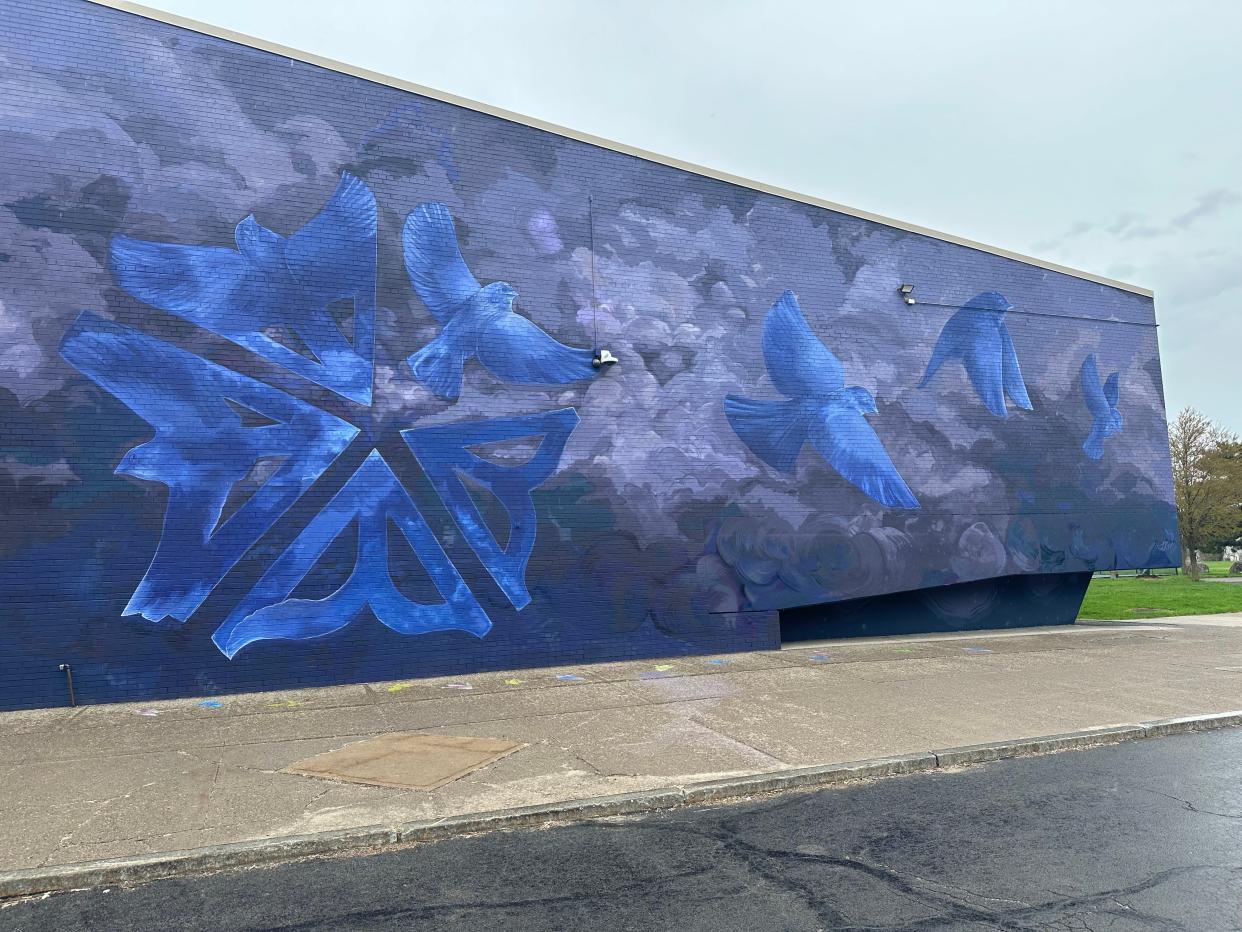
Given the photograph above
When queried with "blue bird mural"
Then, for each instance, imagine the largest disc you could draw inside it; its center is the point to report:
(479, 321)
(819, 409)
(1102, 403)
(977, 335)
(212, 426)
(275, 284)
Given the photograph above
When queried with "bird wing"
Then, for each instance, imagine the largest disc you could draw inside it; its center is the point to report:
(799, 364)
(982, 359)
(433, 260)
(1011, 373)
(1093, 446)
(851, 447)
(293, 619)
(515, 350)
(774, 430)
(1092, 394)
(170, 389)
(954, 335)
(257, 243)
(1112, 389)
(202, 283)
(334, 254)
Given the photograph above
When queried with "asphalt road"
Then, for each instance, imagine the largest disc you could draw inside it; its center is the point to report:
(1141, 836)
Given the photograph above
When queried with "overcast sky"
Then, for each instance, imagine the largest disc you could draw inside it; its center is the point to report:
(1103, 135)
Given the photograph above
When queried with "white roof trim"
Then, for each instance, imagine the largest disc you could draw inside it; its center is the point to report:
(368, 75)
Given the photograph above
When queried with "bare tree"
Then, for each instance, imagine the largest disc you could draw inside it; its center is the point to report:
(1207, 482)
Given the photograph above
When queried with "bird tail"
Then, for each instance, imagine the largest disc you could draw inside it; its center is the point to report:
(939, 355)
(438, 366)
(774, 430)
(1093, 446)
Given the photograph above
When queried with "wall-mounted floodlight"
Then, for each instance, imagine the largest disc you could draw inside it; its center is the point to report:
(603, 358)
(906, 293)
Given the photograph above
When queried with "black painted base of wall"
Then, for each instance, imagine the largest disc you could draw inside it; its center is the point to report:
(1003, 602)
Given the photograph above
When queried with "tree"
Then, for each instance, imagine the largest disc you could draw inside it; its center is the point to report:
(1230, 463)
(1207, 483)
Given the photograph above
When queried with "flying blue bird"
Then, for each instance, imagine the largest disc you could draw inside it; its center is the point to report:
(1102, 403)
(478, 321)
(273, 283)
(820, 409)
(977, 335)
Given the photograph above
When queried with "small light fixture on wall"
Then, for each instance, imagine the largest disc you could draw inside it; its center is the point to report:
(907, 293)
(603, 358)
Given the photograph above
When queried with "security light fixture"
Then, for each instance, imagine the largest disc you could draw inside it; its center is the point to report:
(603, 358)
(906, 293)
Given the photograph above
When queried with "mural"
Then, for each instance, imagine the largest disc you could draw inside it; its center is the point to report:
(478, 322)
(205, 445)
(977, 336)
(820, 409)
(270, 286)
(1102, 403)
(274, 413)
(202, 449)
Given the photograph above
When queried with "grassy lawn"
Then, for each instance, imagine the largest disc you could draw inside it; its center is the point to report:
(1165, 595)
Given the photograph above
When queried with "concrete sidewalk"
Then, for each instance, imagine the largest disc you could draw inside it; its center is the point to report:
(124, 780)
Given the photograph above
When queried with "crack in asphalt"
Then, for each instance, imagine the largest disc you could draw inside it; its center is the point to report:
(1191, 807)
(430, 911)
(1061, 843)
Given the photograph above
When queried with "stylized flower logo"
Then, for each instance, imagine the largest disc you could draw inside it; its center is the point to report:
(214, 425)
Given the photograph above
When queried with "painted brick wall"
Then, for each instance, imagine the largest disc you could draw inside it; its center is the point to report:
(234, 319)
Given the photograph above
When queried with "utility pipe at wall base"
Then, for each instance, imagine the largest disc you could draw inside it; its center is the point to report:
(68, 671)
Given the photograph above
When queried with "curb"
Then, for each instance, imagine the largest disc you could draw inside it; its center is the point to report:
(1049, 744)
(271, 851)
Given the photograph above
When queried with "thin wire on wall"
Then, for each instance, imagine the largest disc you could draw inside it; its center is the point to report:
(594, 299)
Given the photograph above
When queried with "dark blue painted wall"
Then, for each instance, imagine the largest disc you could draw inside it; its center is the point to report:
(1022, 601)
(296, 388)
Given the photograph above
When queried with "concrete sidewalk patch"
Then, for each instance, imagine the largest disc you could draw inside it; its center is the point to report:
(272, 851)
(405, 760)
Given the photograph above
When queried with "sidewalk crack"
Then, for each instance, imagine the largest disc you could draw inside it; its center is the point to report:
(738, 741)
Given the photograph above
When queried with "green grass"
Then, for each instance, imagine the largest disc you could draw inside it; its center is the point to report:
(1218, 567)
(1130, 597)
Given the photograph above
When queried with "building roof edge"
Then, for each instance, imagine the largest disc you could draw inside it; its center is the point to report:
(366, 74)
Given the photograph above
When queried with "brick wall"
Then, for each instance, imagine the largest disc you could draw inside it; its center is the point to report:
(217, 426)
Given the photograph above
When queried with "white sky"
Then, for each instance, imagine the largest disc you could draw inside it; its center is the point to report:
(1103, 134)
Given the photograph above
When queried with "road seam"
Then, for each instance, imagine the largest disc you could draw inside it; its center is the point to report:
(369, 838)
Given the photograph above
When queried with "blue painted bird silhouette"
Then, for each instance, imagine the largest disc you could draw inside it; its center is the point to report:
(1102, 403)
(272, 283)
(820, 409)
(977, 335)
(478, 321)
